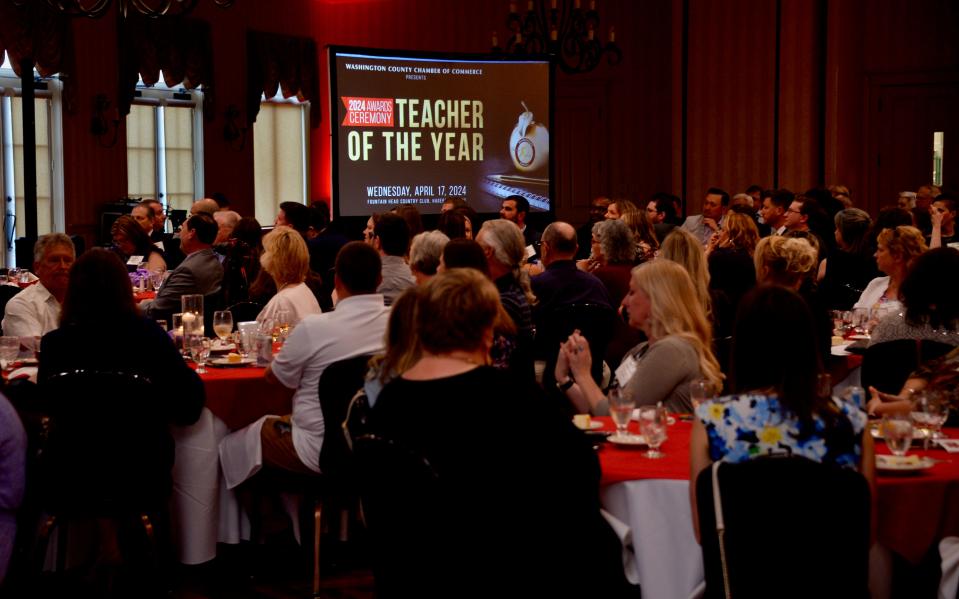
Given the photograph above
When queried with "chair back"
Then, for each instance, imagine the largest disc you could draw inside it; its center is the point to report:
(401, 501)
(108, 448)
(887, 365)
(212, 302)
(595, 323)
(338, 384)
(793, 528)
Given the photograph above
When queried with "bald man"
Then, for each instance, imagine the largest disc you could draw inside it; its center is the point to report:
(205, 205)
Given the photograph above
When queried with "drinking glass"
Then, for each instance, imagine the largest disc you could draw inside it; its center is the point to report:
(930, 411)
(897, 431)
(860, 320)
(199, 351)
(156, 279)
(281, 321)
(223, 324)
(652, 425)
(700, 391)
(9, 350)
(838, 323)
(192, 308)
(248, 332)
(621, 406)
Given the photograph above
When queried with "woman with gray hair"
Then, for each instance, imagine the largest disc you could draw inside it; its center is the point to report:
(612, 256)
(426, 252)
(847, 271)
(502, 243)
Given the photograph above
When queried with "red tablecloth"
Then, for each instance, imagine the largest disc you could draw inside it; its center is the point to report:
(238, 396)
(139, 296)
(914, 509)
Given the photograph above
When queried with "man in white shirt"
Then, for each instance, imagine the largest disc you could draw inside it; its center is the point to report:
(356, 327)
(35, 311)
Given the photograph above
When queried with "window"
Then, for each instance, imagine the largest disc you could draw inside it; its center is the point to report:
(49, 152)
(165, 146)
(280, 154)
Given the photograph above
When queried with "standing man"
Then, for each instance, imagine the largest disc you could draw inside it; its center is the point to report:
(515, 209)
(704, 226)
(35, 311)
(200, 272)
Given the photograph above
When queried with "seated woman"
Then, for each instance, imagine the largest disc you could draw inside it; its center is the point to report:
(534, 496)
(730, 257)
(130, 239)
(242, 262)
(612, 257)
(845, 273)
(774, 408)
(426, 253)
(895, 251)
(287, 261)
(662, 302)
(643, 233)
(101, 328)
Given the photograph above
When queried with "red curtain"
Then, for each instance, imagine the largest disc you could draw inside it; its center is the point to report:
(178, 48)
(281, 62)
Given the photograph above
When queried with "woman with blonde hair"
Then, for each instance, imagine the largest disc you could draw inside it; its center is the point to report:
(683, 248)
(663, 303)
(286, 259)
(895, 250)
(729, 256)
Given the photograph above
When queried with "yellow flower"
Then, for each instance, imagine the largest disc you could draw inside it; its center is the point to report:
(715, 411)
(770, 435)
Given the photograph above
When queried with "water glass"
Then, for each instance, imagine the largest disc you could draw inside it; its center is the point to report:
(700, 391)
(897, 431)
(652, 425)
(860, 320)
(199, 351)
(838, 323)
(9, 350)
(247, 332)
(621, 406)
(930, 411)
(281, 321)
(223, 324)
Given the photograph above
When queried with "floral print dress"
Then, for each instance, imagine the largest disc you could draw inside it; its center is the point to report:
(742, 427)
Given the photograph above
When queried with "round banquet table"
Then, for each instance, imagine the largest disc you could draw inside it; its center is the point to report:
(204, 511)
(914, 511)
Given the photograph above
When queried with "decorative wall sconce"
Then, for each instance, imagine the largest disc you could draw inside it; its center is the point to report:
(105, 119)
(233, 133)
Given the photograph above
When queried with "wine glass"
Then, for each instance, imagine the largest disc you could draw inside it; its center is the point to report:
(897, 431)
(223, 324)
(282, 323)
(621, 406)
(929, 412)
(700, 391)
(199, 351)
(860, 320)
(652, 425)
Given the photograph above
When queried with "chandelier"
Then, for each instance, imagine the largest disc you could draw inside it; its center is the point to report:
(565, 30)
(148, 8)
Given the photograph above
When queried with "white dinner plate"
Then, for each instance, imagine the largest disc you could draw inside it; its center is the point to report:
(839, 350)
(859, 337)
(226, 363)
(892, 463)
(627, 440)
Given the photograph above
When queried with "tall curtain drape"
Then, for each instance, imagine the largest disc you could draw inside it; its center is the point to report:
(33, 31)
(285, 63)
(178, 48)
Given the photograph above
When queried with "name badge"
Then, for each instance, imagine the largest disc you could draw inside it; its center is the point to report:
(135, 260)
(626, 370)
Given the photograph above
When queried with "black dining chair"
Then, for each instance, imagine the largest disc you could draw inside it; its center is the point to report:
(107, 454)
(245, 311)
(791, 528)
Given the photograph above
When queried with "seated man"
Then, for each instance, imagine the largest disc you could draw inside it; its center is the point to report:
(391, 238)
(35, 311)
(355, 328)
(200, 272)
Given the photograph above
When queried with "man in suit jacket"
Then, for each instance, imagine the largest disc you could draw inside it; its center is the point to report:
(200, 272)
(515, 208)
(704, 226)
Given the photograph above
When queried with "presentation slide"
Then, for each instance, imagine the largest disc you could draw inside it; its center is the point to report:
(417, 130)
